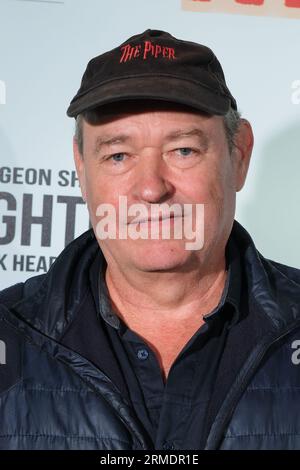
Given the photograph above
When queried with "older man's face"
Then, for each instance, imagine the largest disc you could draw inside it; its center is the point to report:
(163, 155)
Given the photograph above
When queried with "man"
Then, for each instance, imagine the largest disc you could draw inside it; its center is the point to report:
(133, 340)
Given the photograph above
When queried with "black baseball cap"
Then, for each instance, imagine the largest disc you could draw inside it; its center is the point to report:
(155, 65)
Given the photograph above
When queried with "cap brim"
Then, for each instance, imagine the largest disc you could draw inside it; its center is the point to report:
(171, 89)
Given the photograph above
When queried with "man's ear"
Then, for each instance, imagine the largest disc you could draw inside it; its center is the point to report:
(80, 168)
(241, 152)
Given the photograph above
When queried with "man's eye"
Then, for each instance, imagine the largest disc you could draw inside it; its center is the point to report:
(184, 151)
(117, 157)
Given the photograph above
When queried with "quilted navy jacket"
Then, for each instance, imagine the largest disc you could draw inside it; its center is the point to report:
(53, 398)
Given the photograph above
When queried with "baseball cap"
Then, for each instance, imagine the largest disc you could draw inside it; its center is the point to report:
(157, 66)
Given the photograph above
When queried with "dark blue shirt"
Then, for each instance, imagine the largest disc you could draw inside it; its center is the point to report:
(172, 412)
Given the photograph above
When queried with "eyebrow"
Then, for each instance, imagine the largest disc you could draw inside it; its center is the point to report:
(103, 141)
(178, 134)
(172, 136)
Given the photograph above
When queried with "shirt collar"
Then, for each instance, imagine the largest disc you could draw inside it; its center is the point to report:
(232, 290)
(100, 291)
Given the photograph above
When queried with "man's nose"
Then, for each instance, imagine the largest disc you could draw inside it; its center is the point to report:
(152, 183)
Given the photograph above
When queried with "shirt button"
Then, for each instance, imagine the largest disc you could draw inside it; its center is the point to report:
(142, 354)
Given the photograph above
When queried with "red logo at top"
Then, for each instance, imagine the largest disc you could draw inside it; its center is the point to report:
(146, 50)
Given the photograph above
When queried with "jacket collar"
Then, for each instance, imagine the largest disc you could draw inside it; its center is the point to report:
(272, 287)
(50, 302)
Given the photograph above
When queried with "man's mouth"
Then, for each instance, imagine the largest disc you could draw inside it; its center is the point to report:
(153, 219)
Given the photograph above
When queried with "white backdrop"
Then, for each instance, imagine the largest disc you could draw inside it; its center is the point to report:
(44, 49)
